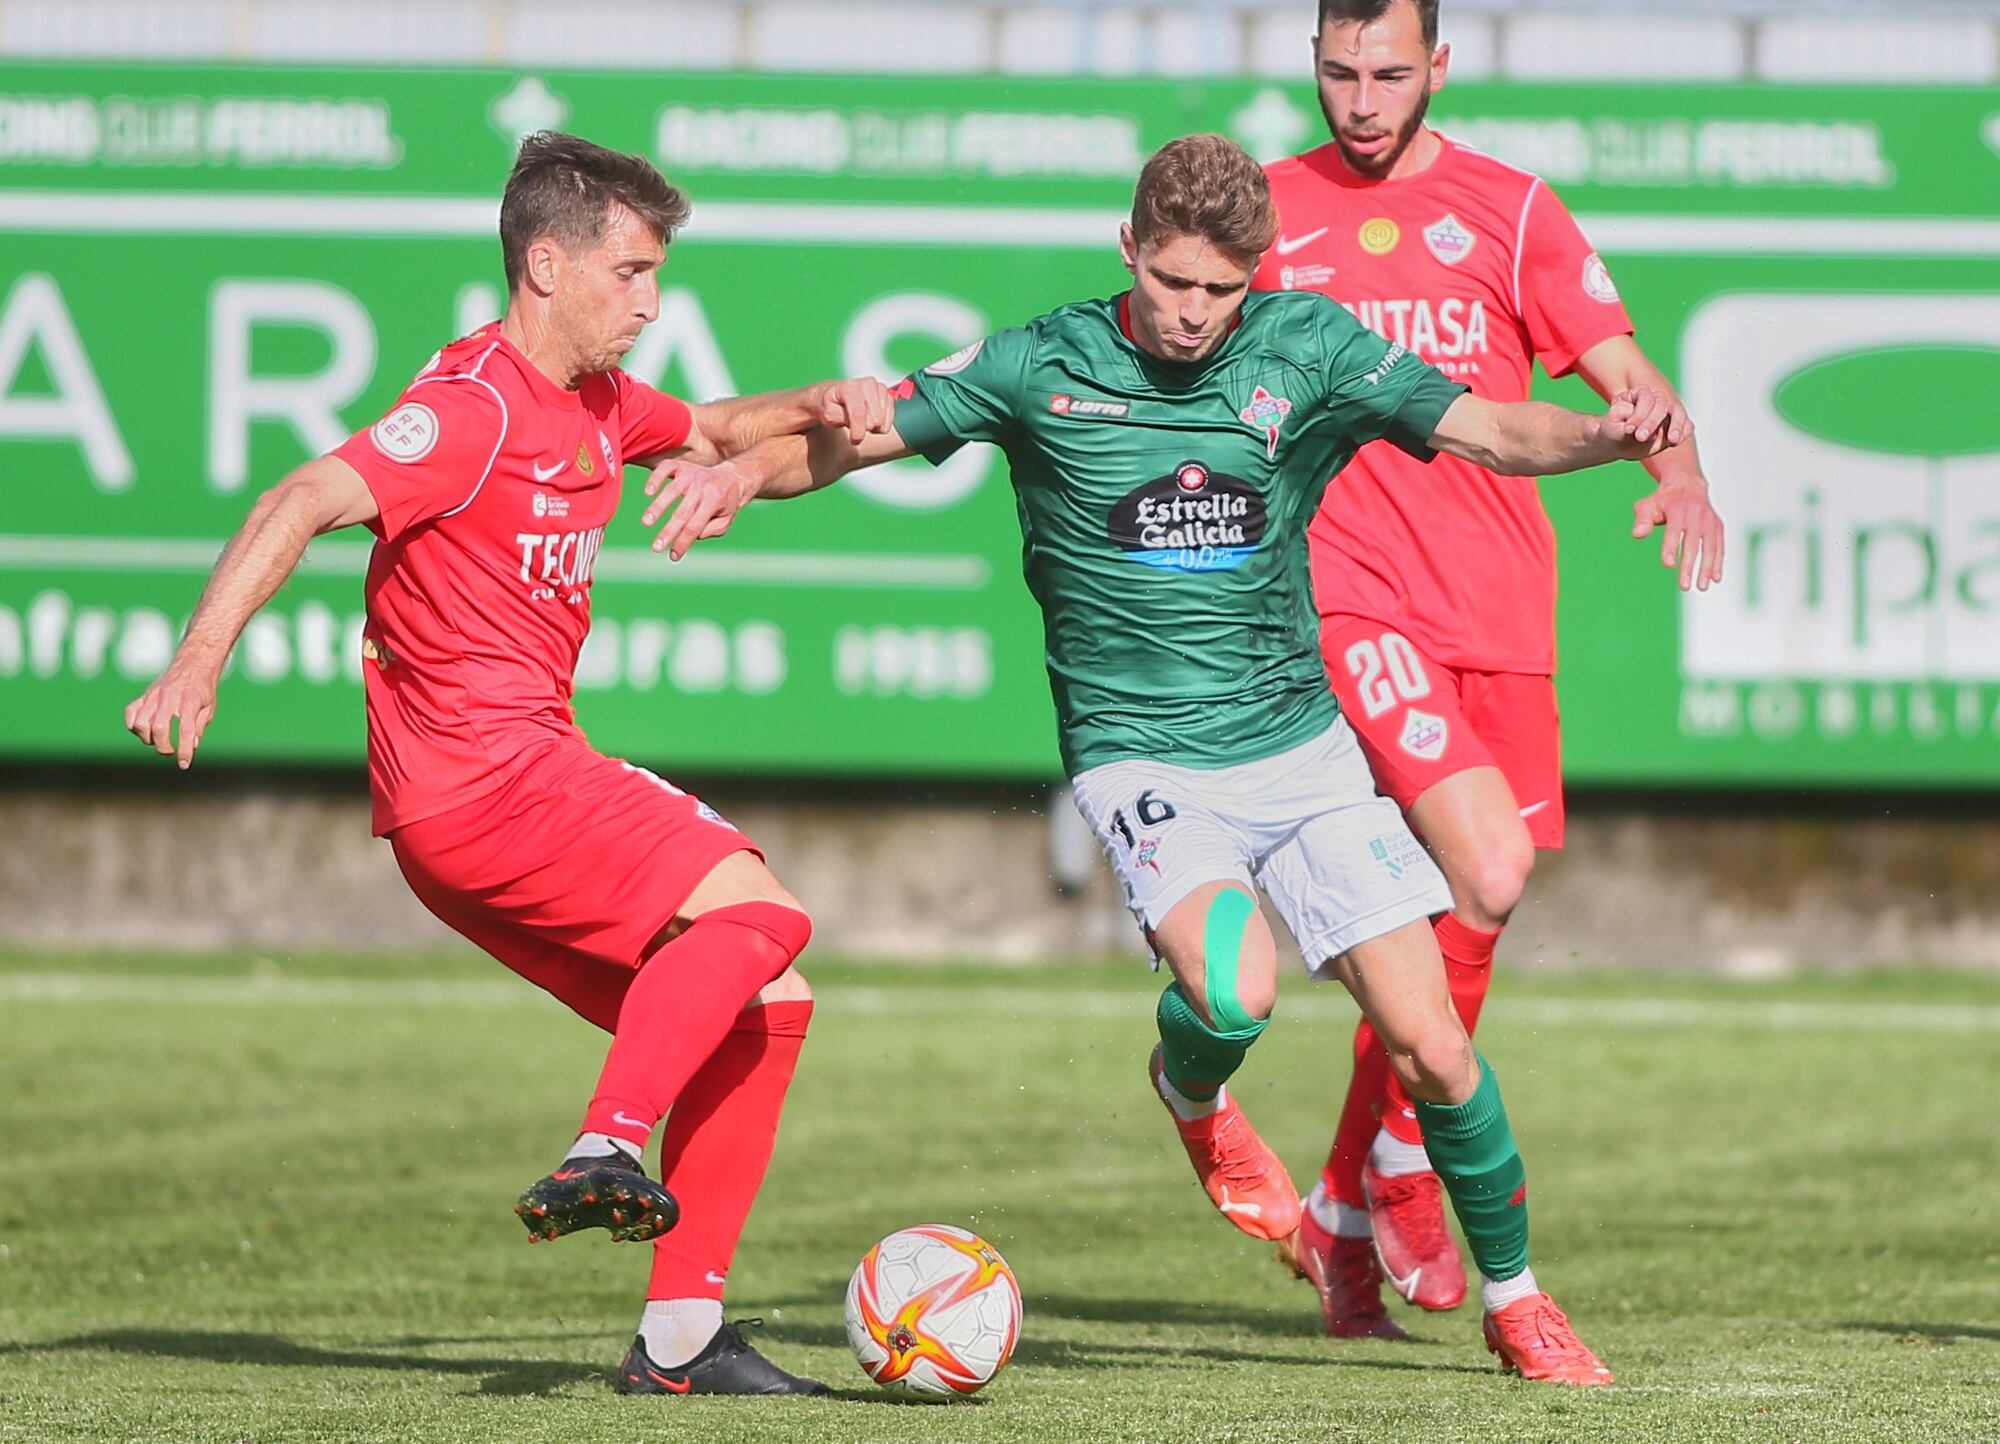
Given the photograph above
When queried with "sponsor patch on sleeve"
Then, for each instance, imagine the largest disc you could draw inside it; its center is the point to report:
(957, 361)
(1597, 282)
(406, 434)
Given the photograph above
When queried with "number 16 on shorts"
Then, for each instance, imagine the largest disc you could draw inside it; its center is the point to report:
(1150, 809)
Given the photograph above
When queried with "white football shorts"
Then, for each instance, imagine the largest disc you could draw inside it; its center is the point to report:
(1335, 857)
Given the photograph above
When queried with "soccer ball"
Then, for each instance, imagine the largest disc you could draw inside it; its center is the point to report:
(933, 1312)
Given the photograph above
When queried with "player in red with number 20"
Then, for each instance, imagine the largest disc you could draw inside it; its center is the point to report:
(488, 487)
(1436, 584)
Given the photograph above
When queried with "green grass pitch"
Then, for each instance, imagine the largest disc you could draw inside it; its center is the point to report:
(245, 1200)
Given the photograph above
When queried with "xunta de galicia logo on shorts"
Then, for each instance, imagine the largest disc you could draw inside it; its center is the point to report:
(1190, 520)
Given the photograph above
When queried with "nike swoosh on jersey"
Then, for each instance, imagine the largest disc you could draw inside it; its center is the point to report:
(1289, 244)
(541, 475)
(1534, 807)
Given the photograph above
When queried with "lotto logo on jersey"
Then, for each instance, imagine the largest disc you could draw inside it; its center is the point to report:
(1194, 519)
(1085, 408)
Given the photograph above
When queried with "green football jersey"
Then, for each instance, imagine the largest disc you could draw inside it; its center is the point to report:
(1163, 509)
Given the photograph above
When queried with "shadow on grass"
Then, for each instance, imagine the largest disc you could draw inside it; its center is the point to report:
(504, 1377)
(1036, 1350)
(1937, 1333)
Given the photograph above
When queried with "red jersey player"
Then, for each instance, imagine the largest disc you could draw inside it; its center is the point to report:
(488, 487)
(1436, 584)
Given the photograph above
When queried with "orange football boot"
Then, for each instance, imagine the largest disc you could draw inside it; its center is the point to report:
(1348, 1278)
(1244, 1179)
(1418, 1257)
(1534, 1339)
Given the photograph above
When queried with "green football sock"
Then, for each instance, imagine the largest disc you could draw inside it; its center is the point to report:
(1473, 1150)
(1198, 1059)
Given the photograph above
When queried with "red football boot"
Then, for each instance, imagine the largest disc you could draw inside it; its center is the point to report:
(1243, 1178)
(1534, 1339)
(1419, 1259)
(1349, 1281)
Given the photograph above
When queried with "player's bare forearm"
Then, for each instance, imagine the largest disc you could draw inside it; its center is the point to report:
(319, 497)
(1533, 438)
(705, 500)
(728, 428)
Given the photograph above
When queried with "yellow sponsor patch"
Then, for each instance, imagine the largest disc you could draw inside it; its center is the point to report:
(1379, 236)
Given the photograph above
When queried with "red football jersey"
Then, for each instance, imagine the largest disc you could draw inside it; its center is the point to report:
(1478, 268)
(495, 486)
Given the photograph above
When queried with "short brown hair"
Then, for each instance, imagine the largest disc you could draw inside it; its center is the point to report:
(1366, 11)
(1206, 186)
(564, 187)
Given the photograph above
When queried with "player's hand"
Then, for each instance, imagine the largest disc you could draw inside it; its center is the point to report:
(1691, 541)
(705, 501)
(186, 690)
(858, 407)
(1644, 421)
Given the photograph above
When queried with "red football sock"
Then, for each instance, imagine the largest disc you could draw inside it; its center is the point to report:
(1358, 1118)
(1468, 972)
(718, 1143)
(684, 1000)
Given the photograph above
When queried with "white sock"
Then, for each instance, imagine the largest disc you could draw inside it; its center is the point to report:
(1342, 1220)
(600, 1145)
(1494, 1296)
(1395, 1158)
(1187, 1109)
(675, 1330)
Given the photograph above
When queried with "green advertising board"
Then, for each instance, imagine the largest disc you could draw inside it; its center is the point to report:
(208, 275)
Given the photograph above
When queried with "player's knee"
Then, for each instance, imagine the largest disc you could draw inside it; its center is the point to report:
(1490, 887)
(790, 986)
(1438, 1064)
(773, 934)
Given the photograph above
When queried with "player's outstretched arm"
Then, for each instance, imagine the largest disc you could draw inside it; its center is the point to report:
(706, 499)
(1692, 532)
(319, 497)
(722, 429)
(1532, 438)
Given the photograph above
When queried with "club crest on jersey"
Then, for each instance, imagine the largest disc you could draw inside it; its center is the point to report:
(1147, 854)
(1267, 413)
(583, 462)
(1424, 736)
(1380, 236)
(1449, 241)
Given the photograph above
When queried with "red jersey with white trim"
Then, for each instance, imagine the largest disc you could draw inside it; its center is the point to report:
(1479, 269)
(495, 486)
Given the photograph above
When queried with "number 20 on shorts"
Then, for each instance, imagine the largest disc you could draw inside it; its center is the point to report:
(1386, 669)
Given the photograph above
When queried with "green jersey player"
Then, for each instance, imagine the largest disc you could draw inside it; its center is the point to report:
(1167, 449)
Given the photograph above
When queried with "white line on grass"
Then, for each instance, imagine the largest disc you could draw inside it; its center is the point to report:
(998, 1004)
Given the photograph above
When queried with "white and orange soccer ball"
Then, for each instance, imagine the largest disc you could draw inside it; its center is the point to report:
(933, 1312)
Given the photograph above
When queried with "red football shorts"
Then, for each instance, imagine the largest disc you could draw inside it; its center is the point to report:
(1421, 722)
(568, 870)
